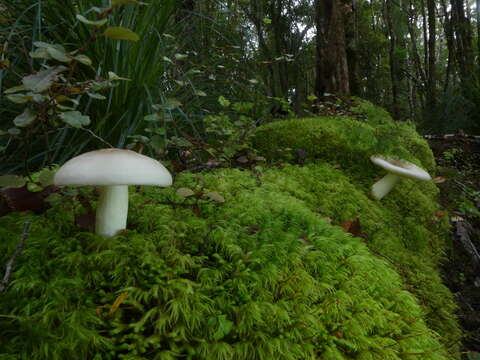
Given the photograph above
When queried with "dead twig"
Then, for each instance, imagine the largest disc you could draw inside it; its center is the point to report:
(10, 263)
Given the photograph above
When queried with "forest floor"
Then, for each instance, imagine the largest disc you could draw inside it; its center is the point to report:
(458, 160)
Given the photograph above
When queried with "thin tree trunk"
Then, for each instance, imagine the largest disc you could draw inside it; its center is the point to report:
(450, 46)
(432, 74)
(392, 59)
(478, 30)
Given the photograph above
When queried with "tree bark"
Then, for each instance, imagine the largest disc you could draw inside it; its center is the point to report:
(331, 55)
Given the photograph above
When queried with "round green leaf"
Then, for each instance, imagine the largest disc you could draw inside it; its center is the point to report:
(75, 119)
(223, 101)
(58, 55)
(185, 192)
(215, 196)
(42, 80)
(26, 118)
(85, 60)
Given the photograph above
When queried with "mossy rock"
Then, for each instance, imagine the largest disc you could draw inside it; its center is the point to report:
(268, 274)
(347, 141)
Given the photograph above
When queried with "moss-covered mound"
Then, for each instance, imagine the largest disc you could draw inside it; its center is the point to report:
(265, 275)
(346, 140)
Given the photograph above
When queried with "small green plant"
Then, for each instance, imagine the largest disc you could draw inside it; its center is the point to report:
(224, 137)
(58, 89)
(450, 154)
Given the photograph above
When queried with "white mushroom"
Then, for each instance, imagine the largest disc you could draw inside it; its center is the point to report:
(396, 169)
(112, 170)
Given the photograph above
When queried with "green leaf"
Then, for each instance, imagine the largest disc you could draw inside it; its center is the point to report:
(215, 196)
(180, 142)
(267, 21)
(157, 142)
(139, 139)
(45, 177)
(14, 131)
(167, 59)
(32, 187)
(112, 77)
(120, 33)
(11, 181)
(200, 93)
(42, 80)
(38, 98)
(97, 96)
(44, 45)
(75, 119)
(65, 108)
(181, 56)
(152, 117)
(85, 60)
(26, 118)
(223, 101)
(84, 20)
(58, 55)
(185, 192)
(171, 104)
(14, 89)
(19, 98)
(40, 53)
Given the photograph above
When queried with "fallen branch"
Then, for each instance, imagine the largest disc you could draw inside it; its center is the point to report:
(9, 266)
(462, 234)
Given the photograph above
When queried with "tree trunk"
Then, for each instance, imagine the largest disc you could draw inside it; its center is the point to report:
(463, 36)
(478, 30)
(392, 59)
(432, 74)
(331, 55)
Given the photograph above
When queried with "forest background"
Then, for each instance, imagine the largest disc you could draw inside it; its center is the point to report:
(202, 68)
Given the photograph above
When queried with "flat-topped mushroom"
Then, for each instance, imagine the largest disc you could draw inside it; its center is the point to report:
(112, 170)
(396, 169)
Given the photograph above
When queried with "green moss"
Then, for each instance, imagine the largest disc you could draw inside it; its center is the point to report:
(345, 141)
(266, 275)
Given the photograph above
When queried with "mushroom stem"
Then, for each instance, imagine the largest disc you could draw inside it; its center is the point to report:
(383, 186)
(112, 210)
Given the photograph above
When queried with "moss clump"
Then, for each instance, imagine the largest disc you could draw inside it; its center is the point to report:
(260, 277)
(265, 275)
(347, 141)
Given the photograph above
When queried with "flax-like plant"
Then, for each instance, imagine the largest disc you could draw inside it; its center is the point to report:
(119, 116)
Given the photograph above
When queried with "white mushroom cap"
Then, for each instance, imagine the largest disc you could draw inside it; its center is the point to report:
(401, 168)
(112, 167)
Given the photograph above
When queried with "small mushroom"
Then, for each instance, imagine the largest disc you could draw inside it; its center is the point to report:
(112, 170)
(396, 169)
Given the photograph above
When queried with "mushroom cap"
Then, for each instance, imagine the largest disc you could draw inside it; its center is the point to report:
(401, 168)
(112, 167)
